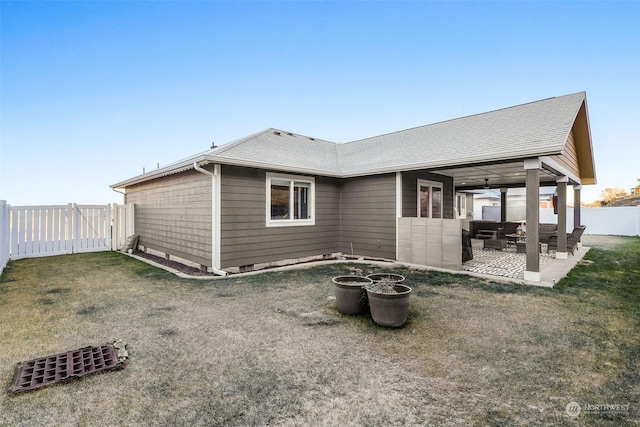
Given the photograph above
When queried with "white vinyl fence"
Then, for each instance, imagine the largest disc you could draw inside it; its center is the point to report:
(619, 221)
(5, 248)
(36, 231)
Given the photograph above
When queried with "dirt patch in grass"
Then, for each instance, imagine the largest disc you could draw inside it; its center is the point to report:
(92, 309)
(178, 266)
(271, 349)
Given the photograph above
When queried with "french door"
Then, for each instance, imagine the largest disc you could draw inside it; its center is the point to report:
(429, 199)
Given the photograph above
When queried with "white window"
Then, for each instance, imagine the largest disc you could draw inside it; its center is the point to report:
(290, 200)
(429, 199)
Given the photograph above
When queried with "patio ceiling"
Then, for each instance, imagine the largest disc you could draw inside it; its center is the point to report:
(507, 174)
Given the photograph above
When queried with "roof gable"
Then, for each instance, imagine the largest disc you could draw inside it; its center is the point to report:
(534, 129)
(583, 146)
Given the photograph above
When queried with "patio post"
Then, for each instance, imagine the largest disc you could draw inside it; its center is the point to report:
(561, 251)
(532, 184)
(576, 206)
(503, 205)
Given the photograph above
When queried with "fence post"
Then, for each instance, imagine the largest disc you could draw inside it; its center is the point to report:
(107, 226)
(14, 222)
(4, 234)
(115, 219)
(72, 228)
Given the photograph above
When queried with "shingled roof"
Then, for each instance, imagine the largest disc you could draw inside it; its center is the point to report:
(529, 130)
(534, 129)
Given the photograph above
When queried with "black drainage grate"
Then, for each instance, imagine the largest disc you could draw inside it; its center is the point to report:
(43, 371)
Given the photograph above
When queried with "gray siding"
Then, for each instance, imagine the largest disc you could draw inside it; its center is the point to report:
(369, 216)
(410, 193)
(245, 238)
(173, 215)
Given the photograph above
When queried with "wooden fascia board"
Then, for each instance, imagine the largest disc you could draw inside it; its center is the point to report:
(584, 147)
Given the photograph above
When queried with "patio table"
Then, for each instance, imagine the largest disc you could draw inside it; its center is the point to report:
(514, 238)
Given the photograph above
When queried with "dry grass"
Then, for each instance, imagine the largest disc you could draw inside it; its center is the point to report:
(271, 349)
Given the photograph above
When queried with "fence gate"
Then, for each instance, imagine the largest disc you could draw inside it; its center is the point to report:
(37, 231)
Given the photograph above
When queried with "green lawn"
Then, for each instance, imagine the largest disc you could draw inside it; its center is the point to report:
(271, 349)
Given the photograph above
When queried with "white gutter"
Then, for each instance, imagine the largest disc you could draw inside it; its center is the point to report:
(215, 216)
(398, 210)
(124, 196)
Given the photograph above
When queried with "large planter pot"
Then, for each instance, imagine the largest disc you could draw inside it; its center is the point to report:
(387, 277)
(351, 297)
(390, 310)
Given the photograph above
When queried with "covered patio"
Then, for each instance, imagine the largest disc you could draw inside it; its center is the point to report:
(511, 265)
(542, 144)
(565, 159)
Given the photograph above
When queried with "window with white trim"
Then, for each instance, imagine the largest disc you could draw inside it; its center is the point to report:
(429, 199)
(290, 200)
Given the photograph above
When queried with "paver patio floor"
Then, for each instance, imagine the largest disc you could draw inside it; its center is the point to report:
(504, 263)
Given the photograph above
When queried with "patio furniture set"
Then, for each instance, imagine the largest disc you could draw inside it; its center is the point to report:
(510, 236)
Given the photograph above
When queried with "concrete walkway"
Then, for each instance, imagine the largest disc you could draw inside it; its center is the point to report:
(511, 265)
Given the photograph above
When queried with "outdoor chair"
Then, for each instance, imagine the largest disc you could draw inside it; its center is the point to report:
(546, 231)
(572, 240)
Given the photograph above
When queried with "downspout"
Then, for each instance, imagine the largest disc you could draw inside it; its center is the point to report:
(215, 218)
(124, 198)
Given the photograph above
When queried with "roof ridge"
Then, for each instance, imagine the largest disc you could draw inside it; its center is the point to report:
(583, 93)
(225, 147)
(311, 138)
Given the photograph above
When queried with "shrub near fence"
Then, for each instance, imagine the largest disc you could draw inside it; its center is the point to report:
(34, 231)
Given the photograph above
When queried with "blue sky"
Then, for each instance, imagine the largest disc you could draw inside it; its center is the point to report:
(92, 92)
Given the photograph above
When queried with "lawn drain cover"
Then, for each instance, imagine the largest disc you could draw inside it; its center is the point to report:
(44, 371)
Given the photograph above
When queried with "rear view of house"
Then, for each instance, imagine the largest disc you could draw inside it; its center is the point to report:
(276, 195)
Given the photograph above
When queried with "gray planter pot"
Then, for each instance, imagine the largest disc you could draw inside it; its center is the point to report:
(387, 277)
(351, 297)
(390, 310)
